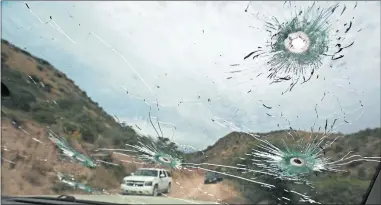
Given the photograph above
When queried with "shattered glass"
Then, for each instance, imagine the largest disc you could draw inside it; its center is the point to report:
(280, 99)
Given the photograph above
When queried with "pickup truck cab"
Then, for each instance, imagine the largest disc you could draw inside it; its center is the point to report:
(147, 181)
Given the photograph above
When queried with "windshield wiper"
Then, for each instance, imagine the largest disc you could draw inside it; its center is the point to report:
(62, 199)
(59, 198)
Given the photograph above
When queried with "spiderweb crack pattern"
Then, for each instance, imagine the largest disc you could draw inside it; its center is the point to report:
(298, 46)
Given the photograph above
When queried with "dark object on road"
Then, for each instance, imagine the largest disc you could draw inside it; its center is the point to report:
(4, 90)
(211, 177)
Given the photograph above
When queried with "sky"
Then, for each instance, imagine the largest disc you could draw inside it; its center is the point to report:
(172, 52)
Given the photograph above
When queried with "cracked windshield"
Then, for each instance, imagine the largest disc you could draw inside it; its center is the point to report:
(190, 102)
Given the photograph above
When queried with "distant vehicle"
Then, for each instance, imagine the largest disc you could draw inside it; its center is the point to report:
(211, 177)
(147, 181)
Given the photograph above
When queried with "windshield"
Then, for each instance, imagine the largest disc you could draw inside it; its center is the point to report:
(278, 101)
(148, 173)
(210, 174)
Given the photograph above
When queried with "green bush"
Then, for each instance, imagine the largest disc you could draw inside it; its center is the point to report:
(25, 52)
(59, 187)
(12, 75)
(62, 90)
(88, 134)
(20, 100)
(59, 75)
(361, 173)
(5, 42)
(69, 128)
(45, 117)
(47, 87)
(65, 103)
(35, 78)
(44, 113)
(338, 148)
(43, 62)
(40, 68)
(4, 57)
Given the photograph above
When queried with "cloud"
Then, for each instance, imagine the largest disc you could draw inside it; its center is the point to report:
(174, 52)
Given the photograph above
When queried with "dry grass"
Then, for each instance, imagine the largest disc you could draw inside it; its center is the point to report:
(31, 164)
(31, 161)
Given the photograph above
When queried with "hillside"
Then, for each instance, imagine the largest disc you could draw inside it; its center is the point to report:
(43, 98)
(334, 188)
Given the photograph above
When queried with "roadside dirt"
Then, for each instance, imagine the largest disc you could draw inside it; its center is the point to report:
(190, 185)
(30, 163)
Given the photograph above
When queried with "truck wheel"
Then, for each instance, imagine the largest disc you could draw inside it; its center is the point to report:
(168, 189)
(155, 191)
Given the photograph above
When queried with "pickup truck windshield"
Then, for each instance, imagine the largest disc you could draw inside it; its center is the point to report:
(243, 102)
(210, 174)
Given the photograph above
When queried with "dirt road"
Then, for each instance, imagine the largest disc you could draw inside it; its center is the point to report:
(190, 185)
(30, 161)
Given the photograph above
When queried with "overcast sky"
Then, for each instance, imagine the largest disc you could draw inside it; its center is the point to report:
(182, 51)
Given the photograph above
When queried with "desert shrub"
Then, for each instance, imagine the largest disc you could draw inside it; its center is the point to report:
(13, 118)
(43, 62)
(5, 41)
(20, 100)
(4, 57)
(102, 142)
(103, 178)
(119, 171)
(65, 103)
(33, 177)
(35, 78)
(361, 173)
(89, 128)
(41, 167)
(88, 134)
(37, 172)
(71, 105)
(338, 148)
(62, 90)
(25, 107)
(40, 68)
(12, 165)
(44, 116)
(354, 164)
(58, 74)
(60, 188)
(11, 74)
(47, 87)
(25, 52)
(70, 127)
(108, 158)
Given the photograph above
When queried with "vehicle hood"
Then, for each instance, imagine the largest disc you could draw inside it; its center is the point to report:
(139, 178)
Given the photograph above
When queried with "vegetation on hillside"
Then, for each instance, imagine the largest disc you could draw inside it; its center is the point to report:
(330, 188)
(42, 94)
(45, 96)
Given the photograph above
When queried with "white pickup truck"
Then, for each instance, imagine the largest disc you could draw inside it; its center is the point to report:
(147, 181)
